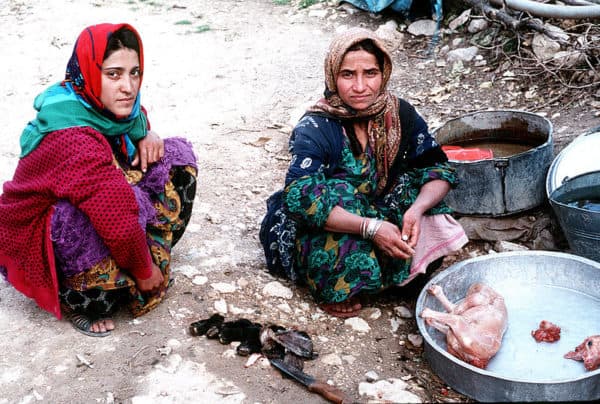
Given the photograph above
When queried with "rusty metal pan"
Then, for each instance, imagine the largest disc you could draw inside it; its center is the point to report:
(536, 285)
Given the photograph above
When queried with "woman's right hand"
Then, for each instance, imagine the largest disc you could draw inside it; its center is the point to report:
(152, 284)
(389, 240)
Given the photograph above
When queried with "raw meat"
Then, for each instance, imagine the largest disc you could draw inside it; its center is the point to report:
(474, 327)
(588, 352)
(547, 332)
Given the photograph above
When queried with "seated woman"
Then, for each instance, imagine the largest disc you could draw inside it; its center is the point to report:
(97, 200)
(362, 208)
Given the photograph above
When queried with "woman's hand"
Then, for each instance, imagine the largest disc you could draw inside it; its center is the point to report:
(432, 193)
(152, 284)
(411, 225)
(389, 240)
(150, 149)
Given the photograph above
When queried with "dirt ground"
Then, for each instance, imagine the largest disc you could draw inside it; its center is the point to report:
(233, 77)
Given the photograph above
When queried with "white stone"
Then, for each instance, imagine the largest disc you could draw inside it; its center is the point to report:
(568, 59)
(462, 54)
(457, 42)
(460, 20)
(372, 313)
(477, 25)
(229, 353)
(284, 307)
(544, 47)
(237, 310)
(199, 280)
(557, 32)
(371, 376)
(223, 287)
(221, 306)
(391, 390)
(403, 312)
(357, 324)
(349, 8)
(415, 339)
(276, 289)
(396, 322)
(504, 246)
(422, 28)
(332, 359)
(187, 270)
(390, 35)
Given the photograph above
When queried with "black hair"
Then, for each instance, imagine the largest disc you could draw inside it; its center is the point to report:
(120, 39)
(368, 46)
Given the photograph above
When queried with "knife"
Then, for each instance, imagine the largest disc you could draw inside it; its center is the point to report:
(331, 393)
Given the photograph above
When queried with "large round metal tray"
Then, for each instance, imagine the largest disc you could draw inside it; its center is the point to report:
(536, 285)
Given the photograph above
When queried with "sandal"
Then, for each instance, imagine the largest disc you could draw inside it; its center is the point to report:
(83, 324)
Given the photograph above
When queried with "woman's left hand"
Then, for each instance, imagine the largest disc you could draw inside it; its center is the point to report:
(150, 149)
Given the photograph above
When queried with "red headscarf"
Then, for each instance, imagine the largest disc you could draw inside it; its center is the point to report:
(84, 69)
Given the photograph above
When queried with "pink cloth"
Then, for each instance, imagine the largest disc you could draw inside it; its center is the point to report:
(440, 235)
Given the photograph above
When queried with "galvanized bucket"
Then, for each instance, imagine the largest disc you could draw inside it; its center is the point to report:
(500, 186)
(581, 226)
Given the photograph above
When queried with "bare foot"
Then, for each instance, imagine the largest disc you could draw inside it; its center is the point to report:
(345, 309)
(97, 328)
(102, 325)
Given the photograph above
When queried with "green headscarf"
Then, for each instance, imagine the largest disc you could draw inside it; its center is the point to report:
(59, 107)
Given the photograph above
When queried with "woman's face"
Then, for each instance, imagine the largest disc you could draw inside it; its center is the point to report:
(359, 80)
(120, 81)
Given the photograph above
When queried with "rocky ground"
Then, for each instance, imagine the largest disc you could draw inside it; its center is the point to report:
(233, 77)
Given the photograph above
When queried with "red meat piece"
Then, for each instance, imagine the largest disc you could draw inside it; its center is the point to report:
(547, 332)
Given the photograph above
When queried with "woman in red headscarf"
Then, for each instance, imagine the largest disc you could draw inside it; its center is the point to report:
(97, 199)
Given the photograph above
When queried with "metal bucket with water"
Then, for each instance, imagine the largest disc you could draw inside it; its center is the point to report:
(576, 204)
(514, 179)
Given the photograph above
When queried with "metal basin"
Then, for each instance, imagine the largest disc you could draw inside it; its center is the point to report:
(578, 157)
(506, 184)
(536, 285)
(581, 226)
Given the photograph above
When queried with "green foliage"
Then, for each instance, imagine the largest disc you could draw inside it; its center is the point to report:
(183, 22)
(282, 2)
(202, 28)
(307, 3)
(510, 45)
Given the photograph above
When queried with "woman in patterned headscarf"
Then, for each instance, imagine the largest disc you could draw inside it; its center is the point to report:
(97, 199)
(362, 208)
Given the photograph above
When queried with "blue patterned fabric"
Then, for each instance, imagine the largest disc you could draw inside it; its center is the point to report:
(317, 144)
(375, 6)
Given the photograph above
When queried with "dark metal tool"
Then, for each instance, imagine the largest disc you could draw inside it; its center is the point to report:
(330, 393)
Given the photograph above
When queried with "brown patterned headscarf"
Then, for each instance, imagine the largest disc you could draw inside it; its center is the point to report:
(384, 122)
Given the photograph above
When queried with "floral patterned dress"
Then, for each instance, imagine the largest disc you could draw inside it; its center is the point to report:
(336, 266)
